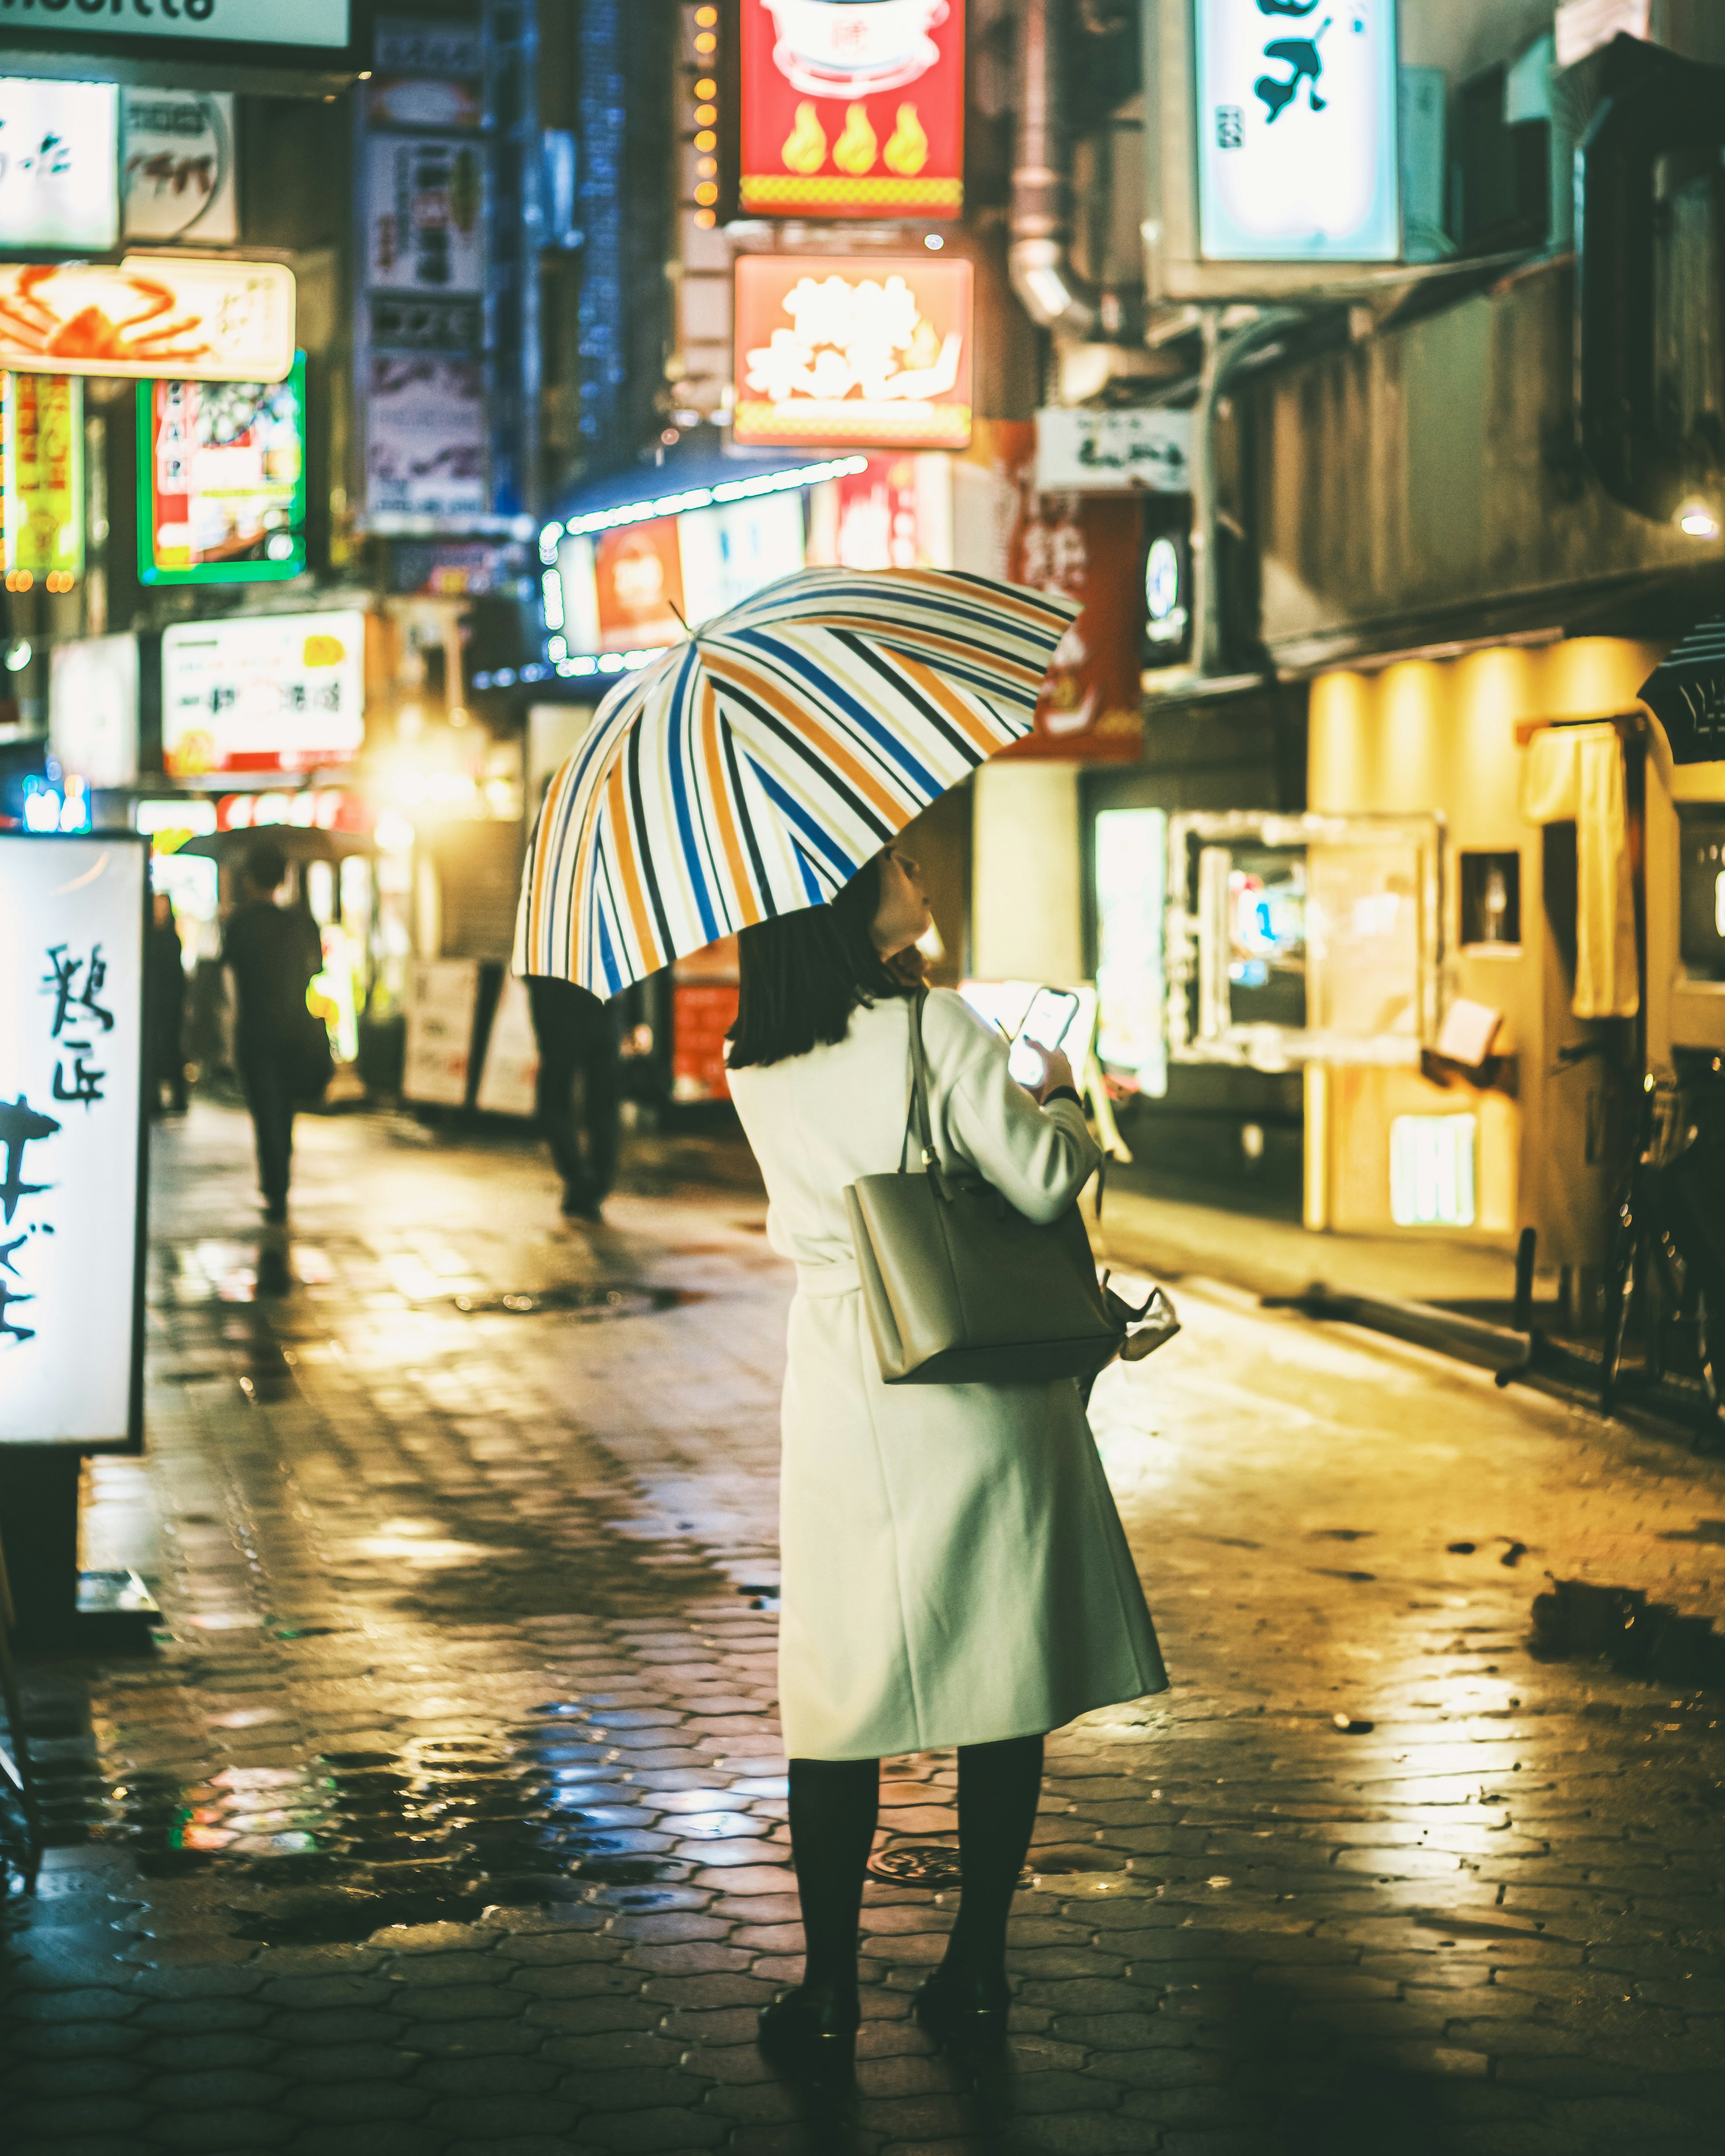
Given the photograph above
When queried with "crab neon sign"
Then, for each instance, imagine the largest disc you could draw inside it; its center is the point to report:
(197, 321)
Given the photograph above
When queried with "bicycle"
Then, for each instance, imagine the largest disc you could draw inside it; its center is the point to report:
(1667, 1245)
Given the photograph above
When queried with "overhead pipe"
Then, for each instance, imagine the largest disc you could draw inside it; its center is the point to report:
(1040, 255)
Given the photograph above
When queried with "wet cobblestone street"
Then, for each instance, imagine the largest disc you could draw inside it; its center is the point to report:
(449, 1815)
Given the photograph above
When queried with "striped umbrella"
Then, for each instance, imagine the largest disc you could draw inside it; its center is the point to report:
(753, 770)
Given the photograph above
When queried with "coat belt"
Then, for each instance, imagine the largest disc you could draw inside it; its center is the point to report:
(823, 1280)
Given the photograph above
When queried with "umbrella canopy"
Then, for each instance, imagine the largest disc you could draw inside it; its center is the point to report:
(299, 842)
(751, 771)
(1685, 693)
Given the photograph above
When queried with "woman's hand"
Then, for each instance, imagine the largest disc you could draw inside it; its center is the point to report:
(1056, 1071)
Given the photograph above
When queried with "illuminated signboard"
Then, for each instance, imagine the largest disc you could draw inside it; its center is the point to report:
(176, 165)
(222, 491)
(59, 164)
(1297, 131)
(200, 319)
(838, 351)
(92, 702)
(44, 486)
(624, 589)
(263, 692)
(237, 22)
(71, 1126)
(853, 110)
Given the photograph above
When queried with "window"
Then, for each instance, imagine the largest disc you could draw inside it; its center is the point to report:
(1431, 1170)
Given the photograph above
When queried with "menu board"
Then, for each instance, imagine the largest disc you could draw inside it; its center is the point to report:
(222, 498)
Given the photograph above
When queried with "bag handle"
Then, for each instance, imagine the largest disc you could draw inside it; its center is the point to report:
(917, 1122)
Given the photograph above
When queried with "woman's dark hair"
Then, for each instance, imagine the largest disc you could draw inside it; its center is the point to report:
(803, 973)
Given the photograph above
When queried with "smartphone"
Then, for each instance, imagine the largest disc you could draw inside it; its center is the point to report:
(1051, 1012)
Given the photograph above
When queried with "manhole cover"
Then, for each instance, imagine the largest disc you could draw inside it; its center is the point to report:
(574, 1299)
(922, 1864)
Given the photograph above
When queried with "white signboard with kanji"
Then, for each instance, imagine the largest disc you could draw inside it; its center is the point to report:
(58, 177)
(263, 693)
(71, 1110)
(1296, 112)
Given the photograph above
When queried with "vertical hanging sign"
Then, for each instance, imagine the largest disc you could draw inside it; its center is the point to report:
(44, 492)
(1296, 131)
(853, 111)
(71, 1139)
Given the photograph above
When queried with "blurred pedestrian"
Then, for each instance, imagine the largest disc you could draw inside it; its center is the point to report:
(273, 952)
(954, 1569)
(164, 1000)
(578, 1038)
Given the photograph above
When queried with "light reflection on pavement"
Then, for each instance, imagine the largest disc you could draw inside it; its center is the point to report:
(460, 1749)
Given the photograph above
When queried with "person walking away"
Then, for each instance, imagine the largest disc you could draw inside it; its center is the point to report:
(578, 1038)
(273, 952)
(954, 1571)
(165, 996)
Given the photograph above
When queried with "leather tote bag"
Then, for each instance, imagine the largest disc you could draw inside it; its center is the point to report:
(961, 1289)
(310, 1065)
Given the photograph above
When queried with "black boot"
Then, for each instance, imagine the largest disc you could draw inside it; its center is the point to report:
(833, 1804)
(964, 2003)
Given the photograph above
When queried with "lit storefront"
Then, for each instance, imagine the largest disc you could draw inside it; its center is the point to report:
(1559, 941)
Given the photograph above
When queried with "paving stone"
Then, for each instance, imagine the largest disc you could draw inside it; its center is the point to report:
(644, 2133)
(220, 2130)
(345, 2103)
(75, 2077)
(499, 2117)
(70, 2039)
(62, 2117)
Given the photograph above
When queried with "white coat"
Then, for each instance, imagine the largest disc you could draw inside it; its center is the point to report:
(954, 1569)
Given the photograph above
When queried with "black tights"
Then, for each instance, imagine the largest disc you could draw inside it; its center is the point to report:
(833, 1804)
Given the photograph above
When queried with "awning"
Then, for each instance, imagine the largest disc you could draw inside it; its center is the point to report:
(1685, 693)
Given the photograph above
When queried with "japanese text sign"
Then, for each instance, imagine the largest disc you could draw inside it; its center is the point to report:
(43, 493)
(842, 350)
(58, 156)
(267, 692)
(200, 319)
(222, 480)
(1100, 452)
(853, 108)
(176, 171)
(71, 1109)
(1296, 131)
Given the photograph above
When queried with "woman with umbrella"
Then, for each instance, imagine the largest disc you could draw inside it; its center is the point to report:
(954, 1570)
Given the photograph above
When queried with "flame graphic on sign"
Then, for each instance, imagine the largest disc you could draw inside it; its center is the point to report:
(805, 147)
(856, 149)
(907, 151)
